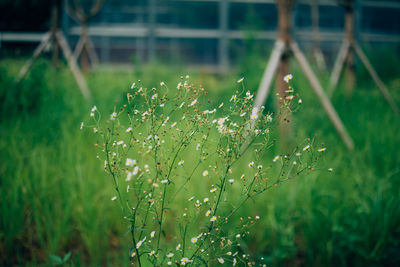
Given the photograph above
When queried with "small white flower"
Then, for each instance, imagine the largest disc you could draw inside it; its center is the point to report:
(300, 101)
(220, 105)
(191, 198)
(151, 253)
(82, 124)
(114, 198)
(173, 124)
(238, 236)
(221, 121)
(162, 105)
(181, 162)
(162, 83)
(154, 96)
(181, 105)
(234, 262)
(242, 114)
(94, 108)
(231, 181)
(322, 149)
(330, 169)
(169, 263)
(129, 130)
(213, 219)
(193, 240)
(254, 113)
(221, 260)
(298, 154)
(135, 170)
(257, 217)
(113, 116)
(233, 98)
(259, 167)
(178, 247)
(240, 80)
(184, 261)
(133, 85)
(249, 95)
(251, 164)
(213, 190)
(287, 78)
(198, 146)
(164, 181)
(205, 173)
(194, 102)
(120, 142)
(205, 200)
(129, 176)
(208, 213)
(170, 255)
(307, 147)
(152, 234)
(276, 159)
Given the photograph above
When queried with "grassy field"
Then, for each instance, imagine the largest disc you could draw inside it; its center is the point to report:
(56, 197)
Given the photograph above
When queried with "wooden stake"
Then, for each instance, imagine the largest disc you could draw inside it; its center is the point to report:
(338, 67)
(54, 27)
(36, 53)
(349, 28)
(269, 73)
(72, 65)
(319, 57)
(326, 104)
(375, 77)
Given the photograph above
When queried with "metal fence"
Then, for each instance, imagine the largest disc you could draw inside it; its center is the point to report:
(214, 32)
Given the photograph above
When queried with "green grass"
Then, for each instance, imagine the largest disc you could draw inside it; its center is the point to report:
(56, 198)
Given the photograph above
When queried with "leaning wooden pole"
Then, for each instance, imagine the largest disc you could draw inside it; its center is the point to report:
(375, 77)
(36, 53)
(269, 73)
(73, 66)
(326, 104)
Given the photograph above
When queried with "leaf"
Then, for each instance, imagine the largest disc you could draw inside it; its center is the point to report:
(56, 259)
(66, 257)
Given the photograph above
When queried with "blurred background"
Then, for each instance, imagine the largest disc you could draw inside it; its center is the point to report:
(54, 194)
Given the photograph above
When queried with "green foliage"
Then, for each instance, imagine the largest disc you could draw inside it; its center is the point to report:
(55, 198)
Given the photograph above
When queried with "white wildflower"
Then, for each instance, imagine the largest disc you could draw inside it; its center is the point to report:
(287, 78)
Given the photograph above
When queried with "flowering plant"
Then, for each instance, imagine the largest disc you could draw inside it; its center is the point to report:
(181, 170)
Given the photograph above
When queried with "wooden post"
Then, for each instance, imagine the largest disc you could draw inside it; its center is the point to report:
(317, 53)
(280, 56)
(54, 27)
(84, 48)
(349, 28)
(84, 52)
(284, 32)
(152, 13)
(223, 52)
